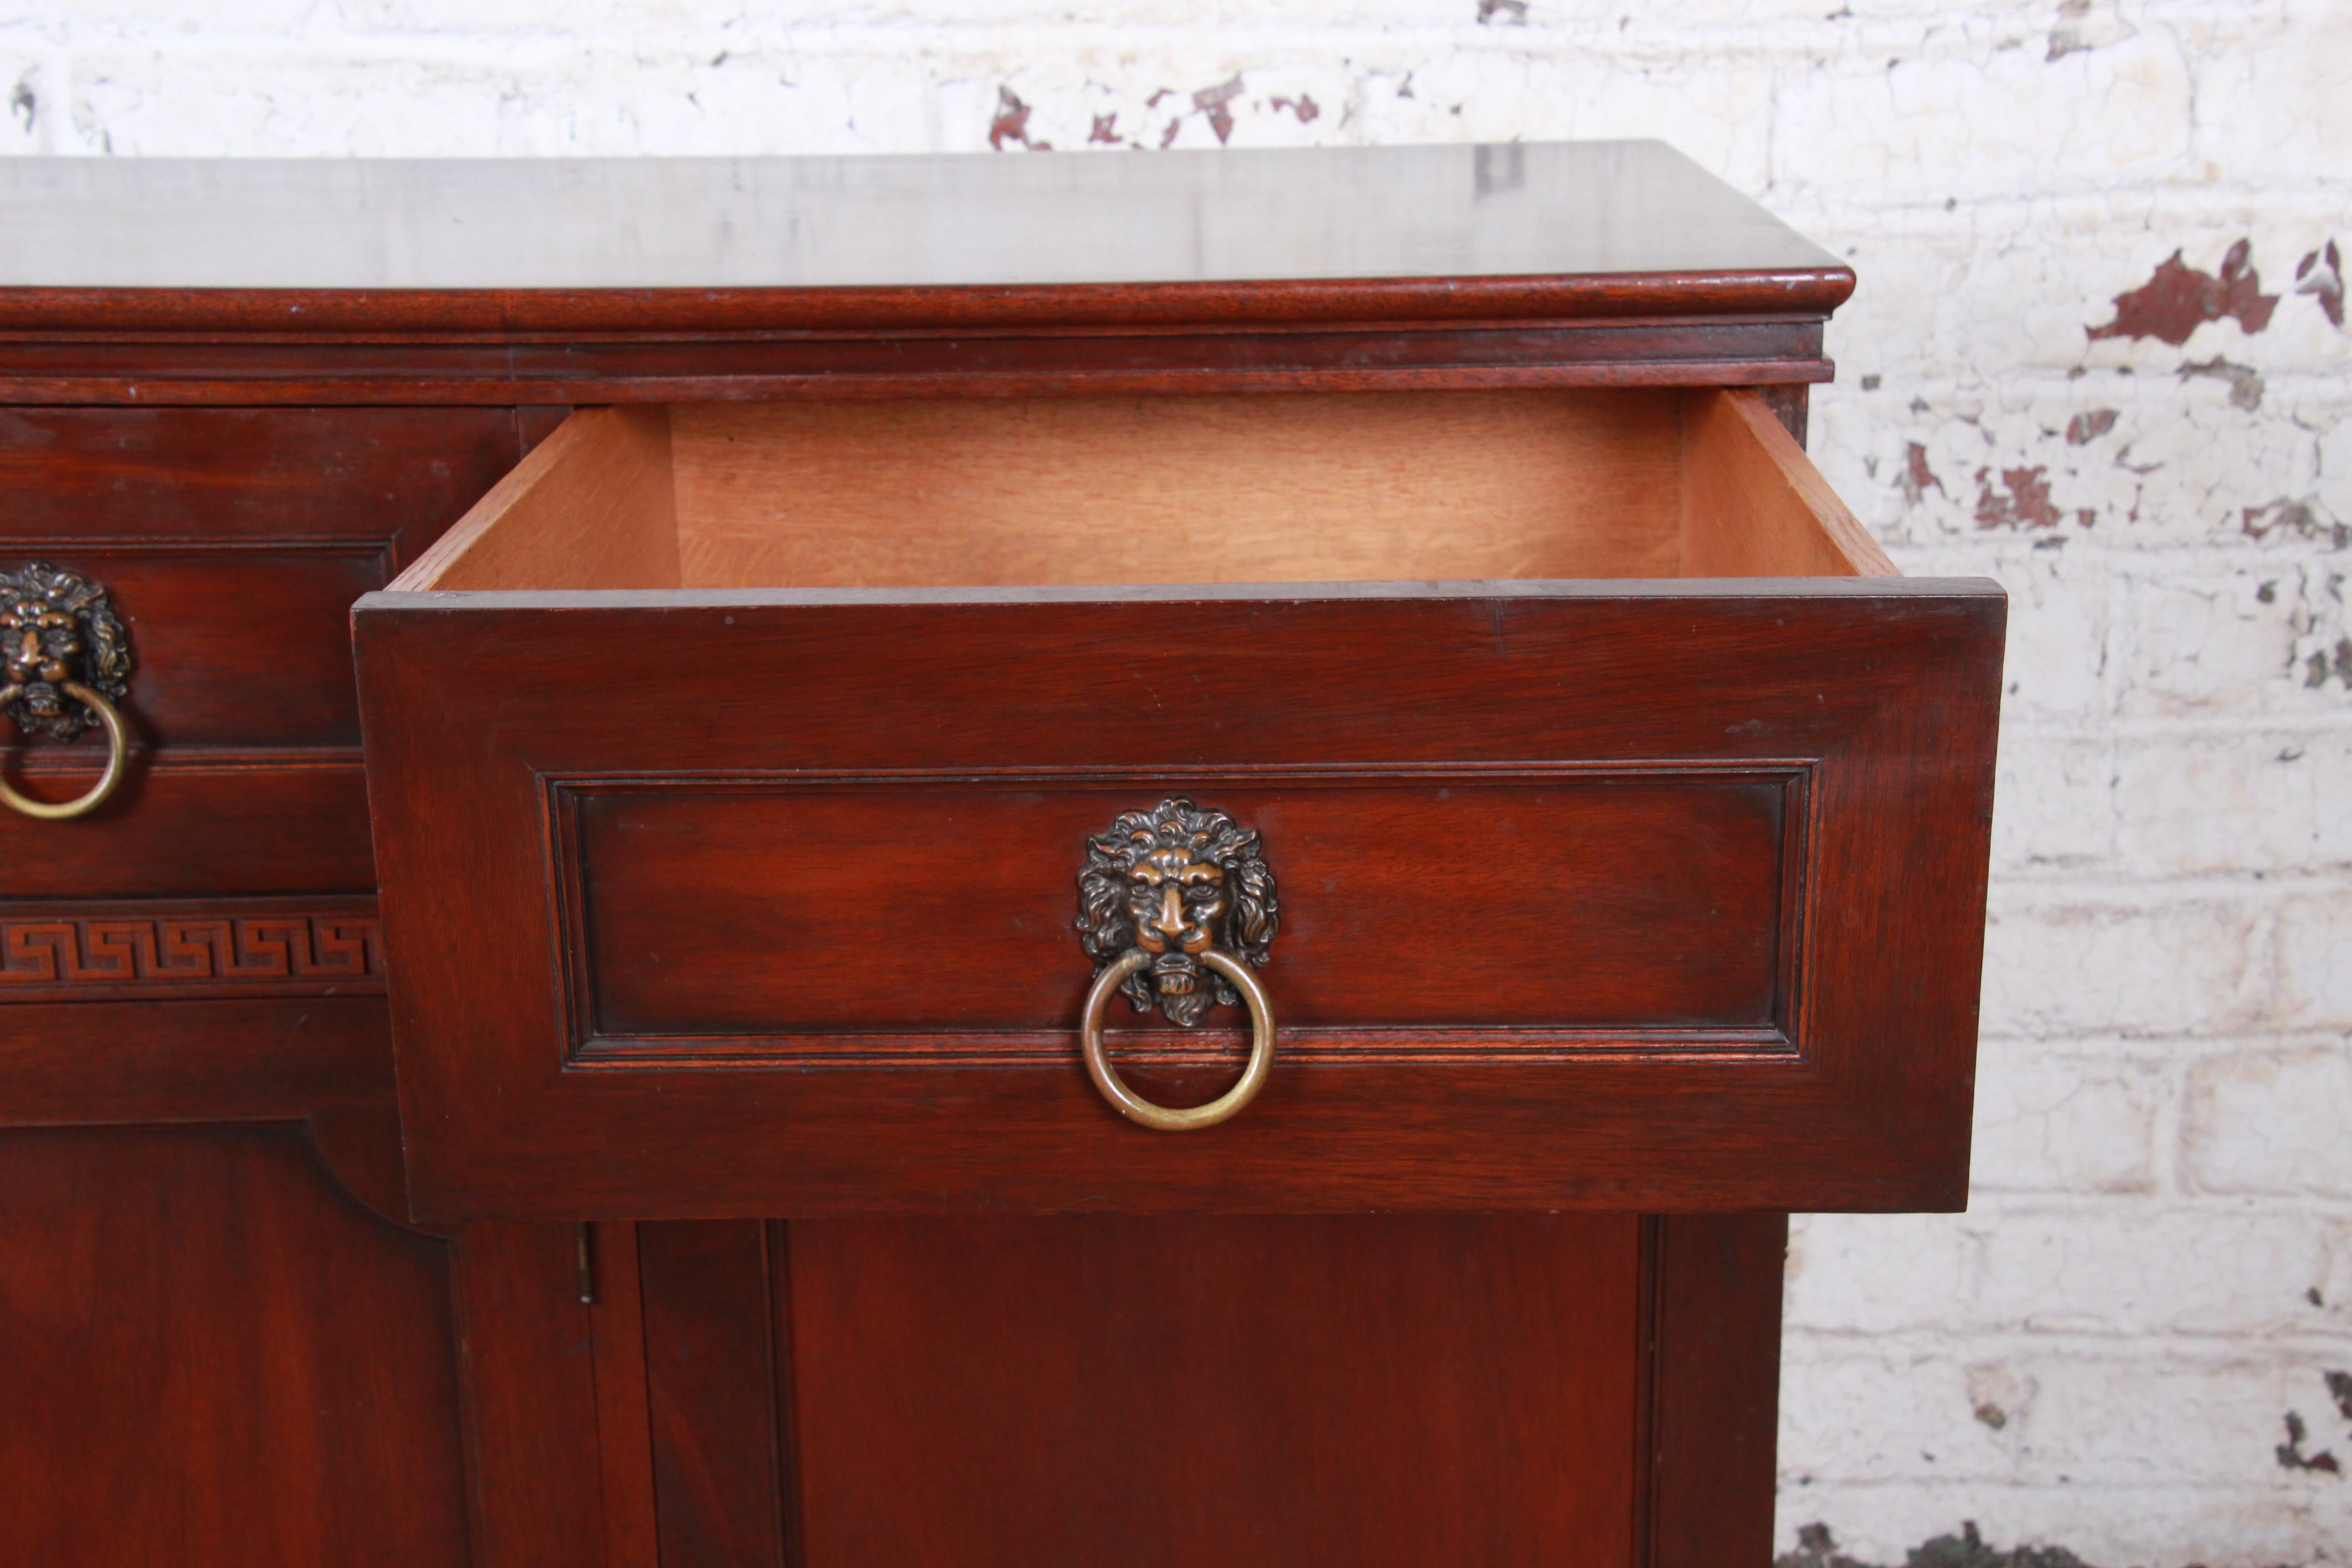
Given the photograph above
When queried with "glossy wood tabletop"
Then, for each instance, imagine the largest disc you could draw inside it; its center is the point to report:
(1517, 230)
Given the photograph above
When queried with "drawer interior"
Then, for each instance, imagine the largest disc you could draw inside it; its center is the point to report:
(1281, 488)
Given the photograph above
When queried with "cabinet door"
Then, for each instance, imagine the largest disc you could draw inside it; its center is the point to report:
(1354, 1391)
(209, 1354)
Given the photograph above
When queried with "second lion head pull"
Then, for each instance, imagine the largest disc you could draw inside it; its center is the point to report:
(1174, 882)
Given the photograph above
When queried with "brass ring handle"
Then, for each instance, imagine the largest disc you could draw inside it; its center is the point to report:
(62, 644)
(118, 751)
(1137, 1109)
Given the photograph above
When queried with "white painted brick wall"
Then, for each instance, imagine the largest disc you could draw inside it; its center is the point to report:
(2156, 1267)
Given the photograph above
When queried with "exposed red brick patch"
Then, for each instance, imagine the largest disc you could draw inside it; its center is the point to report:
(2321, 274)
(1012, 124)
(1216, 101)
(1105, 129)
(2085, 428)
(1302, 106)
(2026, 504)
(1917, 478)
(2177, 299)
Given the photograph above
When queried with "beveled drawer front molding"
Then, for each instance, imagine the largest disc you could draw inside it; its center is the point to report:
(833, 919)
(247, 947)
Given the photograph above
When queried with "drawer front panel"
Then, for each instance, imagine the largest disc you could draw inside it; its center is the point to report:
(1593, 896)
(830, 919)
(234, 823)
(234, 540)
(233, 645)
(231, 542)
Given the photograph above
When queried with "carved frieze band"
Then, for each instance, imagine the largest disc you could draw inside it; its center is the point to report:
(268, 948)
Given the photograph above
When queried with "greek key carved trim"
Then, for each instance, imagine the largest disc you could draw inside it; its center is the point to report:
(271, 948)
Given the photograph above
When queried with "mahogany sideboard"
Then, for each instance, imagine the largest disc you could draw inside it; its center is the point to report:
(1076, 860)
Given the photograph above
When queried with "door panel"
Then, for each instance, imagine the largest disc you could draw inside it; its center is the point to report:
(1583, 1389)
(211, 1356)
(1353, 1392)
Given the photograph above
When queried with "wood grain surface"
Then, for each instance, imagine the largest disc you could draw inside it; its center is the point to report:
(592, 507)
(186, 1378)
(200, 824)
(1449, 230)
(1273, 488)
(241, 393)
(1654, 905)
(1753, 506)
(1264, 1393)
(1320, 269)
(232, 542)
(1279, 488)
(1715, 1389)
(1887, 688)
(712, 1381)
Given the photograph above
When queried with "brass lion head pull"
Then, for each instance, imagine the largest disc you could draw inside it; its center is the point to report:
(1176, 906)
(66, 657)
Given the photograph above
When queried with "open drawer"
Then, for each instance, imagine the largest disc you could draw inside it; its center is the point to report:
(1620, 816)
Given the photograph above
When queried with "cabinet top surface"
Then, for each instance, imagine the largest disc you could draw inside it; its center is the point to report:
(1566, 218)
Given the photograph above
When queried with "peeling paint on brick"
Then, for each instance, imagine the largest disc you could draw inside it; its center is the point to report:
(2325, 663)
(2319, 274)
(2297, 516)
(1817, 1548)
(2023, 502)
(1012, 124)
(2085, 428)
(2290, 1456)
(2177, 299)
(1216, 101)
(2245, 381)
(1918, 476)
(2066, 37)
